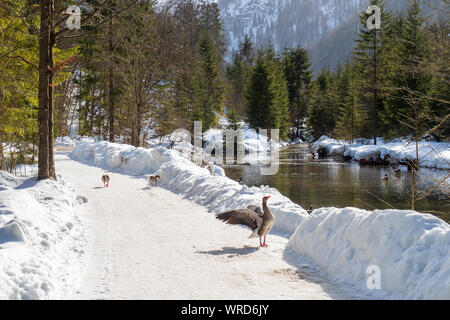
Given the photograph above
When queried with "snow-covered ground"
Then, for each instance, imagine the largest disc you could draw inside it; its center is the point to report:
(165, 243)
(41, 238)
(431, 154)
(411, 250)
(217, 193)
(152, 243)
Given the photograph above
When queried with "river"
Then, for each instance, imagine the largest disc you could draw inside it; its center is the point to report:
(332, 183)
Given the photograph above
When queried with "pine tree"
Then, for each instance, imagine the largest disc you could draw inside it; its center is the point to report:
(368, 56)
(411, 81)
(267, 95)
(209, 89)
(299, 77)
(321, 111)
(233, 123)
(351, 114)
(247, 52)
(440, 83)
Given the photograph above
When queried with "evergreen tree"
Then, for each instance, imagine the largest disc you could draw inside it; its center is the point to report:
(410, 83)
(209, 89)
(247, 52)
(440, 83)
(321, 112)
(368, 56)
(233, 123)
(238, 74)
(267, 95)
(298, 76)
(351, 113)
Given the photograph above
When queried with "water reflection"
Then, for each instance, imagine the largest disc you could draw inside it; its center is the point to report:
(328, 183)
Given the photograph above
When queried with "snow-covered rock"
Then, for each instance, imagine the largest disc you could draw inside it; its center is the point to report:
(431, 154)
(411, 250)
(41, 239)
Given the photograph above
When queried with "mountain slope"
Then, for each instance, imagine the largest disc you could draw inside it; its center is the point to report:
(326, 27)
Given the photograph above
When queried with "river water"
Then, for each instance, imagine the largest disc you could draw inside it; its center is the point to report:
(331, 183)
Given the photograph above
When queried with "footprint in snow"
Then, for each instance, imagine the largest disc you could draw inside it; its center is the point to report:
(81, 200)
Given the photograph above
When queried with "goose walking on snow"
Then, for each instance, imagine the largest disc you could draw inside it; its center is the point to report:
(153, 180)
(260, 221)
(106, 179)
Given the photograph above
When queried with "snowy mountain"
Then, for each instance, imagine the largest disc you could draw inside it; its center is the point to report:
(284, 22)
(325, 27)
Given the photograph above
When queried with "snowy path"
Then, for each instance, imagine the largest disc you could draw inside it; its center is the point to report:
(153, 244)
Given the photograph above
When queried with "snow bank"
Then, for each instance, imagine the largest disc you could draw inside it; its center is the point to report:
(431, 154)
(41, 240)
(64, 142)
(217, 193)
(257, 145)
(252, 141)
(221, 193)
(412, 250)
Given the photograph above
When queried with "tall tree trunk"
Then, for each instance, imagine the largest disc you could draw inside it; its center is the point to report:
(44, 72)
(375, 93)
(51, 135)
(111, 85)
(1, 152)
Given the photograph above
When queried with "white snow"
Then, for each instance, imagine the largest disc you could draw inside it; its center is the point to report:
(257, 146)
(431, 154)
(217, 193)
(151, 243)
(41, 238)
(156, 243)
(252, 141)
(64, 142)
(411, 250)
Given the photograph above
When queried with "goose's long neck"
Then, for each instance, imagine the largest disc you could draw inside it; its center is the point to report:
(267, 212)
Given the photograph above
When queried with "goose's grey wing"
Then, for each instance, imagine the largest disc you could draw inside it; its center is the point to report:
(255, 208)
(244, 217)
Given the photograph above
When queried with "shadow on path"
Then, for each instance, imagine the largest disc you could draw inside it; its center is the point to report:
(231, 252)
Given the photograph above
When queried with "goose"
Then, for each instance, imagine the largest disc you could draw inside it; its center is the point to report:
(211, 169)
(154, 179)
(396, 170)
(105, 180)
(260, 221)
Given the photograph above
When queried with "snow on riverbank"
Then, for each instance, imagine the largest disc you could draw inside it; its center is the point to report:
(411, 250)
(41, 238)
(431, 154)
(256, 146)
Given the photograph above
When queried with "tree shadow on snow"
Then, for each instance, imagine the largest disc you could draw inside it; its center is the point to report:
(29, 183)
(231, 252)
